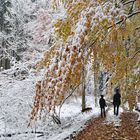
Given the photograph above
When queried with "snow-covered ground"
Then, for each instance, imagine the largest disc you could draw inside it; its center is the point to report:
(137, 110)
(16, 98)
(115, 120)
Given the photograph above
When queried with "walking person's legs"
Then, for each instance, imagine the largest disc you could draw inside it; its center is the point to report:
(101, 112)
(114, 109)
(117, 110)
(104, 112)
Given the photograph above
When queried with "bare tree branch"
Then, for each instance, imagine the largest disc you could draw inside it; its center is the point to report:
(21, 133)
(129, 16)
(134, 13)
(68, 97)
(138, 51)
(128, 2)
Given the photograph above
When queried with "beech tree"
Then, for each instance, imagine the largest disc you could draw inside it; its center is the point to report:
(104, 32)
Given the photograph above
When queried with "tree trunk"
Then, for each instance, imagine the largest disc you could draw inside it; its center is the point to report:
(83, 97)
(83, 91)
(96, 71)
(95, 90)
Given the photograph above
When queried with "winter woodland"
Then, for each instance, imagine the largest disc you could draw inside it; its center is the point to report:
(57, 57)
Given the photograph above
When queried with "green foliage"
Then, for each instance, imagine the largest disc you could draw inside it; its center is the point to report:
(63, 29)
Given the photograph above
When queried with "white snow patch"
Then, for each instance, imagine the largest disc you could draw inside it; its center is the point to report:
(111, 118)
(16, 99)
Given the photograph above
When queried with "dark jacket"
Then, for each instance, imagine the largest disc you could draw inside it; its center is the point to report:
(102, 102)
(117, 99)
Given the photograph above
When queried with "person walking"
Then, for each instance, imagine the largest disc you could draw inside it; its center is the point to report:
(116, 101)
(102, 103)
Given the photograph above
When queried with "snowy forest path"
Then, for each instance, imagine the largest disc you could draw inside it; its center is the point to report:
(99, 129)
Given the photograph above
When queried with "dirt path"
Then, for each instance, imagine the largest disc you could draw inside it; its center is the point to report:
(98, 129)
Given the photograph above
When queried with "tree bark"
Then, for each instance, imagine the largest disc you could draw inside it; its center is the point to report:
(83, 91)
